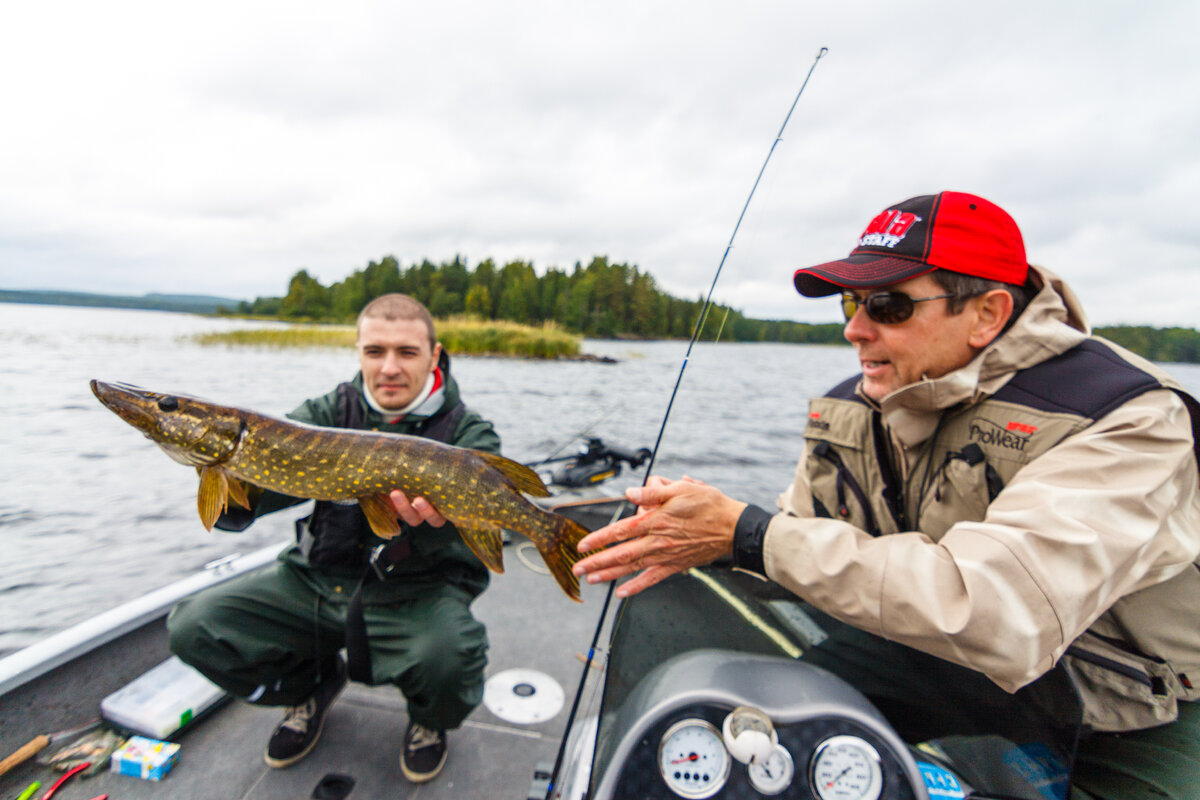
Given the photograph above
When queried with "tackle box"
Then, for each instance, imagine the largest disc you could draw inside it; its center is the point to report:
(162, 701)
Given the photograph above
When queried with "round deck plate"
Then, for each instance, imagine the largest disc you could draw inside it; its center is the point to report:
(522, 696)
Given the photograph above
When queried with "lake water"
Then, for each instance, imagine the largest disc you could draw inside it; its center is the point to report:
(92, 514)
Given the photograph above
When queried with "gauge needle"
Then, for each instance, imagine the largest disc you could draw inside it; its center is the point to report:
(837, 777)
(692, 757)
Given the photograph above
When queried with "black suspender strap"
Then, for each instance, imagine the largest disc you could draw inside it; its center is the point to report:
(382, 563)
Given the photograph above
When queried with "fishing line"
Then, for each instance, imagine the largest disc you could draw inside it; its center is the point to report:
(576, 437)
(522, 550)
(724, 319)
(670, 404)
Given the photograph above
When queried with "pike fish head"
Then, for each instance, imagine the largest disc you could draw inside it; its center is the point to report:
(190, 431)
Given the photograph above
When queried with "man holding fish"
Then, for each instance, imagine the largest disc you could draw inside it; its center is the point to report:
(274, 637)
(998, 489)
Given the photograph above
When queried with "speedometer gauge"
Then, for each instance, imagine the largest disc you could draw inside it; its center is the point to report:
(692, 759)
(846, 768)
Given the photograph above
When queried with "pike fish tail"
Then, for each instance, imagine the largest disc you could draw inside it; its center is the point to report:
(561, 551)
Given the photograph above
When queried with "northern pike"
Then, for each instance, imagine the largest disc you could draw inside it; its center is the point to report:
(234, 449)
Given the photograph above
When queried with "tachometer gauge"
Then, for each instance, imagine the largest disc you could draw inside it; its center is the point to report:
(774, 774)
(692, 759)
(846, 768)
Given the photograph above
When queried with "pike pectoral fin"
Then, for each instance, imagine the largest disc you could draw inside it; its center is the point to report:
(210, 499)
(519, 475)
(486, 542)
(381, 515)
(238, 494)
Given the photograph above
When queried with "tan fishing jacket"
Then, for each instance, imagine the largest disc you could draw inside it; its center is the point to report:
(1040, 502)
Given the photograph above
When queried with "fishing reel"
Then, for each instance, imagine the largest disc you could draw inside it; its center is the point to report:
(595, 463)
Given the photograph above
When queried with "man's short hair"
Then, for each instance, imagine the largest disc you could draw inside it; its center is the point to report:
(397, 306)
(964, 287)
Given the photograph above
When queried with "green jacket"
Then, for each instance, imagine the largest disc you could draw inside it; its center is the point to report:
(439, 554)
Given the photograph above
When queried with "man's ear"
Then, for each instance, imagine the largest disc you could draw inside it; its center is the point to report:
(992, 311)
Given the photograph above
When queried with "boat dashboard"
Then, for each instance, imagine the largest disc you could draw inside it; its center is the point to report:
(691, 725)
(704, 662)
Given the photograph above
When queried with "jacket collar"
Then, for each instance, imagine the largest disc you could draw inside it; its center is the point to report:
(1051, 324)
(441, 400)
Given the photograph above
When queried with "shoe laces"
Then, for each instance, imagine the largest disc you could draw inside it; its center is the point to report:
(296, 718)
(423, 737)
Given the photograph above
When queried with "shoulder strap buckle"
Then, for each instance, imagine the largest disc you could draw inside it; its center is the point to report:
(386, 557)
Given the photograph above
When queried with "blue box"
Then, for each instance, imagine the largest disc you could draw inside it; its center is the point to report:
(145, 758)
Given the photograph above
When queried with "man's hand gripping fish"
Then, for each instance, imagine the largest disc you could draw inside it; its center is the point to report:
(233, 448)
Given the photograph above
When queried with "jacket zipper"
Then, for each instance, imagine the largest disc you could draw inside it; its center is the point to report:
(845, 478)
(1133, 673)
(887, 453)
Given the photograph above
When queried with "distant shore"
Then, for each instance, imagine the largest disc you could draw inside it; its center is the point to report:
(460, 335)
(1166, 345)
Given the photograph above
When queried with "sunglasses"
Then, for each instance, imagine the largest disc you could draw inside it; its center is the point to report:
(887, 308)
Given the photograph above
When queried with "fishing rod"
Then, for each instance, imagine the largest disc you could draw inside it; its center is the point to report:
(700, 320)
(717, 276)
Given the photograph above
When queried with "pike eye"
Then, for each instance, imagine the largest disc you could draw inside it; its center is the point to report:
(168, 404)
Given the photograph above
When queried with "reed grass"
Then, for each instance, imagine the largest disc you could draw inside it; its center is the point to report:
(495, 337)
(459, 335)
(292, 336)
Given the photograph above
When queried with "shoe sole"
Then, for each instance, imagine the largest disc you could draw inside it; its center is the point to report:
(423, 777)
(280, 763)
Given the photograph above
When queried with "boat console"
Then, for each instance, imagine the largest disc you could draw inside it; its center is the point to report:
(721, 685)
(824, 739)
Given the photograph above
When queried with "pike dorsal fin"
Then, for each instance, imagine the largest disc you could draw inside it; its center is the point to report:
(381, 515)
(520, 476)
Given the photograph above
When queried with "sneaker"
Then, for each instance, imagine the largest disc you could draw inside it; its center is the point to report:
(301, 727)
(424, 753)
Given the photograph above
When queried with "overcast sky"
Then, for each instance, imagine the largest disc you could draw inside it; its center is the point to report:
(219, 147)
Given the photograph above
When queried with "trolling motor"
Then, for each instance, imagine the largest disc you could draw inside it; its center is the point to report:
(595, 463)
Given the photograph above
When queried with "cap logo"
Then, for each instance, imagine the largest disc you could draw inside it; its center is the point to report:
(888, 229)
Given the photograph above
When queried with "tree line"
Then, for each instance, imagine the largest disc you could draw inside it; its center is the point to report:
(601, 300)
(1175, 345)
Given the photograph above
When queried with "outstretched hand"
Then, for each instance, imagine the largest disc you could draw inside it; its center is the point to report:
(679, 525)
(417, 511)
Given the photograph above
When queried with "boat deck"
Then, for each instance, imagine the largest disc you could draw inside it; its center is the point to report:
(531, 625)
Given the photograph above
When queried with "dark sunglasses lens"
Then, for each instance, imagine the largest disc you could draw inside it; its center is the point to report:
(849, 305)
(889, 308)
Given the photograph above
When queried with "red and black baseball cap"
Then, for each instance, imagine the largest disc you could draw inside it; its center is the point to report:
(950, 230)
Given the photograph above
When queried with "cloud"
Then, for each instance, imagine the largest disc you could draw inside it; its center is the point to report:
(219, 148)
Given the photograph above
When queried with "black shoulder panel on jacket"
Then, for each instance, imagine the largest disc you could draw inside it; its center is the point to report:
(845, 390)
(1089, 379)
(1193, 408)
(349, 406)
